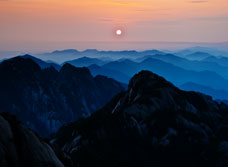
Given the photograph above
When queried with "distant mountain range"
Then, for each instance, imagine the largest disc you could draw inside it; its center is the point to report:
(206, 64)
(198, 56)
(173, 73)
(46, 99)
(71, 54)
(193, 65)
(210, 50)
(210, 63)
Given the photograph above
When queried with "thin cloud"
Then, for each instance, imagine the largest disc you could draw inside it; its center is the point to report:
(105, 19)
(198, 2)
(216, 18)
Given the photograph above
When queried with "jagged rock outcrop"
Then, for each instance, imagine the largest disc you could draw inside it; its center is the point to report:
(45, 99)
(154, 124)
(20, 147)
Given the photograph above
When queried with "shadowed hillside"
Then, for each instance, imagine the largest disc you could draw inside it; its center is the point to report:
(153, 123)
(44, 100)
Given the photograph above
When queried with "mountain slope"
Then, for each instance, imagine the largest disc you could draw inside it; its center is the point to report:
(44, 100)
(154, 124)
(20, 147)
(117, 75)
(42, 63)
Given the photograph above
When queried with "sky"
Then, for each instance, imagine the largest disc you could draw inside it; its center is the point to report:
(37, 24)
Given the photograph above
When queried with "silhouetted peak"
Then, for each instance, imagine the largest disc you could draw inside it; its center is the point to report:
(36, 60)
(27, 56)
(19, 64)
(79, 71)
(85, 59)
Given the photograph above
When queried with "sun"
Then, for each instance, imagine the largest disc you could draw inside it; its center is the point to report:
(118, 32)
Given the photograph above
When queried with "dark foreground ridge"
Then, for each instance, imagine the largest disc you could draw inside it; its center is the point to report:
(152, 124)
(46, 99)
(20, 147)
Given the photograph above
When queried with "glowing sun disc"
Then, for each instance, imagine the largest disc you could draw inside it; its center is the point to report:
(118, 32)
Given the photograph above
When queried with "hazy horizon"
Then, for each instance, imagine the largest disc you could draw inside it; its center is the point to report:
(41, 47)
(39, 25)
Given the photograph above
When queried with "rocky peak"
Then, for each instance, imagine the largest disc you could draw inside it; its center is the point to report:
(45, 99)
(147, 79)
(153, 123)
(145, 82)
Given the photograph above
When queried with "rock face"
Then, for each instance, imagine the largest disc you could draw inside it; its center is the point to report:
(20, 147)
(45, 99)
(154, 124)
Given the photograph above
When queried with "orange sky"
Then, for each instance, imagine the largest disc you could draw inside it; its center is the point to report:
(24, 21)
